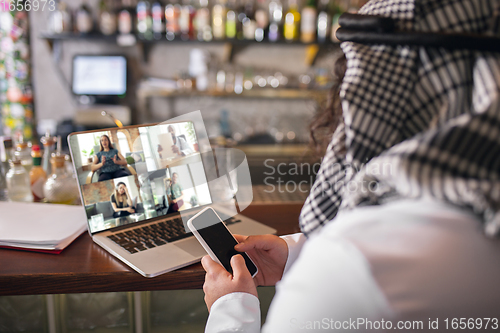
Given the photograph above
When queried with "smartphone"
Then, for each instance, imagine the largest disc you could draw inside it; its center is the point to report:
(217, 240)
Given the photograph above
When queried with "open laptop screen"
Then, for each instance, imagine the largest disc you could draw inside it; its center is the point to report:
(132, 174)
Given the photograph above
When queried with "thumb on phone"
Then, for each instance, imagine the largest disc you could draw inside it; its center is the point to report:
(240, 269)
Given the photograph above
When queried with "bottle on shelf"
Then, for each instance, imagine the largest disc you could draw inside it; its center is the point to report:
(219, 20)
(231, 20)
(238, 82)
(261, 20)
(248, 24)
(202, 22)
(186, 18)
(157, 16)
(247, 79)
(172, 16)
(220, 80)
(229, 81)
(37, 174)
(107, 18)
(83, 17)
(144, 20)
(18, 182)
(308, 22)
(323, 24)
(126, 18)
(240, 17)
(292, 22)
(60, 20)
(275, 17)
(198, 68)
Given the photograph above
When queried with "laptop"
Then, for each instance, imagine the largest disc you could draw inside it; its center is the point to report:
(138, 210)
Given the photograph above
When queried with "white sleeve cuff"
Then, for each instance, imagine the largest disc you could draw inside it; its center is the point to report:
(294, 243)
(235, 312)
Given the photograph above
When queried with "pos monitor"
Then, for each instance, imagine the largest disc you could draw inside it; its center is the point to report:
(99, 78)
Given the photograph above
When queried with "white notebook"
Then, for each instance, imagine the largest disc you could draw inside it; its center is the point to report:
(40, 226)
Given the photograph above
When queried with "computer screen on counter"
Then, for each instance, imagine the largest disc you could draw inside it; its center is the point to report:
(99, 75)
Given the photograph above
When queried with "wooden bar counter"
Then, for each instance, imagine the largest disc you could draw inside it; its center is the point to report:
(84, 267)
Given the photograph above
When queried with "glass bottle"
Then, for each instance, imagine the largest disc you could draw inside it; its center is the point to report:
(186, 20)
(4, 166)
(60, 20)
(18, 182)
(231, 20)
(172, 15)
(37, 174)
(275, 16)
(246, 21)
(261, 21)
(323, 27)
(308, 22)
(61, 186)
(144, 20)
(219, 20)
(126, 18)
(157, 15)
(84, 22)
(107, 18)
(23, 154)
(292, 22)
(202, 22)
(48, 142)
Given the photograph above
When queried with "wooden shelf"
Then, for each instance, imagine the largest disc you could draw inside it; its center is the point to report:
(254, 93)
(106, 38)
(232, 45)
(143, 95)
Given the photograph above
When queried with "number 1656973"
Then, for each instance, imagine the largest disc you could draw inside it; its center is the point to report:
(27, 5)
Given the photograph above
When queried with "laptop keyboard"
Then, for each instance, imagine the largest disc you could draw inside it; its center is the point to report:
(153, 235)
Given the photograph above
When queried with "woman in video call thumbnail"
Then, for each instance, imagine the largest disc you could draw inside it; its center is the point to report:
(109, 161)
(121, 201)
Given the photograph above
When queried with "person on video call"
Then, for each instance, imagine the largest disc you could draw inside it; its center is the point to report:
(121, 201)
(180, 146)
(109, 161)
(174, 194)
(398, 219)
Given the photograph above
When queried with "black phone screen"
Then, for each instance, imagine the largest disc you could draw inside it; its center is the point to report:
(220, 240)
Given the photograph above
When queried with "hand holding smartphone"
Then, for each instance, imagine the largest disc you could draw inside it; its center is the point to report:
(217, 240)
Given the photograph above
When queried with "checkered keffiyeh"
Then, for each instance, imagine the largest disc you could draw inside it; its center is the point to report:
(417, 121)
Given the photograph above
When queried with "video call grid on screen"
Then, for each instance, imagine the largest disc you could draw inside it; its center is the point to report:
(163, 174)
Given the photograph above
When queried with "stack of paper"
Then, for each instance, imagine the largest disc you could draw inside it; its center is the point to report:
(39, 226)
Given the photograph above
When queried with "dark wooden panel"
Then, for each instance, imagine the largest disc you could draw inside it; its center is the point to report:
(85, 267)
